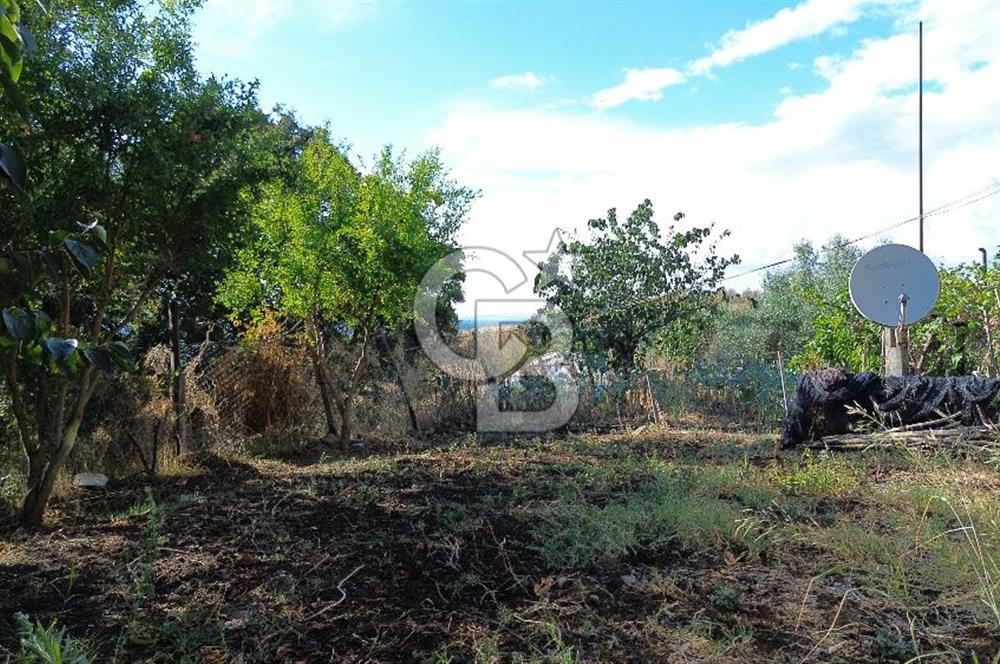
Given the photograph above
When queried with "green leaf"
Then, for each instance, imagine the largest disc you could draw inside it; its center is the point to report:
(6, 341)
(100, 358)
(101, 234)
(52, 263)
(11, 48)
(63, 352)
(60, 349)
(9, 86)
(19, 324)
(43, 324)
(12, 166)
(121, 355)
(84, 255)
(13, 11)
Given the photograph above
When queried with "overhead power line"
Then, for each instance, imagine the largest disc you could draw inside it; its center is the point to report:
(951, 206)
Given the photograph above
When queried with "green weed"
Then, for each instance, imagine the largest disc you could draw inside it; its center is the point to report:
(656, 514)
(816, 475)
(48, 645)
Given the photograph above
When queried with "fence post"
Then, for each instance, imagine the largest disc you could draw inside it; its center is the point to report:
(781, 374)
(652, 398)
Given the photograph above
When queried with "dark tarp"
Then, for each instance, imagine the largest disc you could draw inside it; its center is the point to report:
(904, 399)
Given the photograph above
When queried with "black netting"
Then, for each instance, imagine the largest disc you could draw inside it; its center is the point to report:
(906, 399)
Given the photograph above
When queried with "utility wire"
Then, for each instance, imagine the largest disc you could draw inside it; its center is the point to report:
(957, 204)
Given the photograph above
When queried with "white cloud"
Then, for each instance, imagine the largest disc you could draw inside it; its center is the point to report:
(841, 160)
(526, 81)
(811, 18)
(640, 84)
(232, 28)
(808, 19)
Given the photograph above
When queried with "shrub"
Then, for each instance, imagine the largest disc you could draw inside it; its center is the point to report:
(263, 389)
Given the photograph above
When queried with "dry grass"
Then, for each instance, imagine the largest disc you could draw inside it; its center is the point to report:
(662, 545)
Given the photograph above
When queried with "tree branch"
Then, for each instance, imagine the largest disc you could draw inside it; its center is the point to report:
(17, 402)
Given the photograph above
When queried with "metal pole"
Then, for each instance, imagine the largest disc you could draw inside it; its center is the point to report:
(920, 129)
(982, 250)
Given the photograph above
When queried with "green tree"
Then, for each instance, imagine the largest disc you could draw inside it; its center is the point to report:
(629, 281)
(343, 251)
(804, 310)
(125, 139)
(959, 336)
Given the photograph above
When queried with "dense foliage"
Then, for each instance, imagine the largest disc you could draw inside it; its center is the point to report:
(132, 185)
(630, 280)
(343, 251)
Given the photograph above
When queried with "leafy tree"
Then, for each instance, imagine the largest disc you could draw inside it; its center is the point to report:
(832, 332)
(960, 334)
(343, 251)
(126, 141)
(804, 310)
(629, 281)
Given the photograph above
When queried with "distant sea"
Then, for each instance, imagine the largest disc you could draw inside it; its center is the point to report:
(491, 321)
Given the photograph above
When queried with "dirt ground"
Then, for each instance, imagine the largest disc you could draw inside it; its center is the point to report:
(651, 546)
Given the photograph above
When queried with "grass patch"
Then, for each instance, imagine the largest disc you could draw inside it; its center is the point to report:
(817, 475)
(667, 508)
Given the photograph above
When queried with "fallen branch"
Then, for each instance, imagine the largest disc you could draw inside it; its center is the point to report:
(980, 437)
(343, 595)
(923, 425)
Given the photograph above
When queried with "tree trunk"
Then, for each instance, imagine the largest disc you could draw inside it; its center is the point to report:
(414, 425)
(33, 508)
(317, 354)
(178, 391)
(325, 392)
(347, 423)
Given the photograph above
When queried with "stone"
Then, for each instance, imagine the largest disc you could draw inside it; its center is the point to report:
(90, 480)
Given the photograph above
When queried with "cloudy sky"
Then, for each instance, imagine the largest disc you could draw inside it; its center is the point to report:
(777, 121)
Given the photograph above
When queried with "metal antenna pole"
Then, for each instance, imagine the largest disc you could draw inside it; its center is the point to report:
(920, 129)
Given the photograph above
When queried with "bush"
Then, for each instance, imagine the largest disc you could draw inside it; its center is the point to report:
(263, 389)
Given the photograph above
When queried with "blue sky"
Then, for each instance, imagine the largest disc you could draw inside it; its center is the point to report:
(778, 121)
(384, 72)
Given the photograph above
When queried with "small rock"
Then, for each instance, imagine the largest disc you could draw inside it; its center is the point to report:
(90, 480)
(235, 623)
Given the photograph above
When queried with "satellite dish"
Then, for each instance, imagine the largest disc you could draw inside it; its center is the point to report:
(891, 273)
